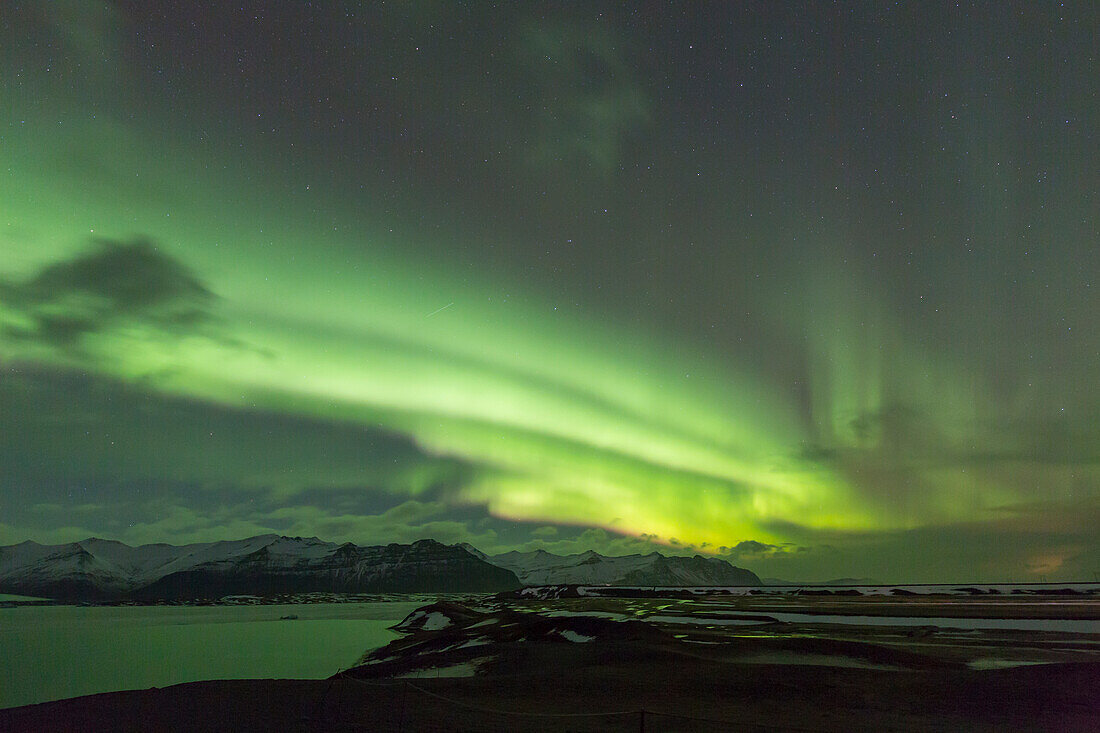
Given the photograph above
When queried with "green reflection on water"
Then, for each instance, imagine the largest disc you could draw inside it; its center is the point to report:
(56, 652)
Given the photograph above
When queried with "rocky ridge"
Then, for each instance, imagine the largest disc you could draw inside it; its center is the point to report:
(96, 569)
(591, 568)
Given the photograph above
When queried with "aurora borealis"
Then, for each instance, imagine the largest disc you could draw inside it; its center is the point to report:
(812, 288)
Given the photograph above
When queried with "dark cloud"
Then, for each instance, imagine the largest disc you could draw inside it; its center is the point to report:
(754, 552)
(65, 429)
(753, 547)
(1016, 543)
(112, 284)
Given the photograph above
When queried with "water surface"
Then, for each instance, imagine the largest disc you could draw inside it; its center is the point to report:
(54, 652)
(1071, 626)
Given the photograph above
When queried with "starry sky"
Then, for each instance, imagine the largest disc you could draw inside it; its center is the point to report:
(812, 287)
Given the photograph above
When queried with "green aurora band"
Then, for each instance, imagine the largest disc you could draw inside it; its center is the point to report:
(316, 302)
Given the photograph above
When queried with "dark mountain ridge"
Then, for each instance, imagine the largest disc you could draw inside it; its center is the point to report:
(266, 565)
(591, 568)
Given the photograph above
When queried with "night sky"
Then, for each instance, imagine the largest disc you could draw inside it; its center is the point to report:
(811, 287)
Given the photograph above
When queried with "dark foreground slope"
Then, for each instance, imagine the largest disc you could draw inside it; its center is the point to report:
(763, 698)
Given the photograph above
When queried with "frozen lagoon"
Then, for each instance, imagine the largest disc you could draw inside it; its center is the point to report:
(55, 652)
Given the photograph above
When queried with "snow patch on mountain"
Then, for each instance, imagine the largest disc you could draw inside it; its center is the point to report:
(263, 565)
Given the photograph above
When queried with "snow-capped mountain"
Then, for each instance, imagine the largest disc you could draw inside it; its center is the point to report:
(69, 571)
(263, 565)
(591, 568)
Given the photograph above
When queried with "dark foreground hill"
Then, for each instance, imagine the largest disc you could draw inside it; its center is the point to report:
(677, 693)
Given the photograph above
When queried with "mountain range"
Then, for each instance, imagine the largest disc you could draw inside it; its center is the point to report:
(591, 568)
(266, 565)
(834, 581)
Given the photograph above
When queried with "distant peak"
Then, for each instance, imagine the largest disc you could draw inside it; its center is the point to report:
(271, 537)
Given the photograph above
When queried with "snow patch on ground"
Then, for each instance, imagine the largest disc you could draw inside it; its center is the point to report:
(436, 621)
(413, 618)
(418, 619)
